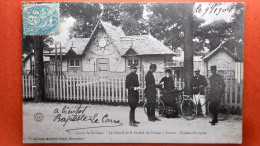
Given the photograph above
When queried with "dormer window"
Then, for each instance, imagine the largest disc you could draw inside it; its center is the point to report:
(133, 62)
(74, 63)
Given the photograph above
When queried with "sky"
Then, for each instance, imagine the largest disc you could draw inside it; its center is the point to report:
(208, 11)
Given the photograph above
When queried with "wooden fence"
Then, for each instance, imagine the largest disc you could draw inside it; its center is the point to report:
(104, 89)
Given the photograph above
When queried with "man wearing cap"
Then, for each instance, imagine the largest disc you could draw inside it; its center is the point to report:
(217, 88)
(150, 93)
(132, 84)
(198, 84)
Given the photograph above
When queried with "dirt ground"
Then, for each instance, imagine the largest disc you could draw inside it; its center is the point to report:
(67, 123)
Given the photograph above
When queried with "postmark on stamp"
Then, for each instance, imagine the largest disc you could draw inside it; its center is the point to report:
(41, 19)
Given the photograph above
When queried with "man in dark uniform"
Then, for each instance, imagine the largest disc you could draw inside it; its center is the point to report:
(217, 88)
(169, 93)
(150, 93)
(198, 84)
(132, 84)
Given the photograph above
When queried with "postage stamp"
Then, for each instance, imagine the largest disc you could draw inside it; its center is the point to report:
(41, 19)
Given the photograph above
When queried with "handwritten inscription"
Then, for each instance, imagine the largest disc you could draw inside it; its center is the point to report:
(213, 9)
(79, 114)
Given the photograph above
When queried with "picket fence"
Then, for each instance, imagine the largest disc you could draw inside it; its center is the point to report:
(104, 89)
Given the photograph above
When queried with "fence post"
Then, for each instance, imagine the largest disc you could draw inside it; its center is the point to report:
(61, 97)
(236, 105)
(124, 90)
(70, 89)
(108, 92)
(241, 95)
(112, 89)
(231, 92)
(95, 87)
(84, 88)
(74, 87)
(90, 80)
(67, 85)
(120, 90)
(80, 87)
(116, 88)
(101, 89)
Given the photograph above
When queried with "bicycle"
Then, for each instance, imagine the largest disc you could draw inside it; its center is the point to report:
(223, 110)
(185, 106)
(159, 107)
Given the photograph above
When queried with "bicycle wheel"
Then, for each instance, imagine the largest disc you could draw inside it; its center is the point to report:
(144, 106)
(223, 111)
(159, 108)
(188, 109)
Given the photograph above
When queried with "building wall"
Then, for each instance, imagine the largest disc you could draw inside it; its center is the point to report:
(94, 52)
(155, 59)
(226, 65)
(222, 60)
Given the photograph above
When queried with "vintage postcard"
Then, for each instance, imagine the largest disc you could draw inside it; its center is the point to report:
(132, 72)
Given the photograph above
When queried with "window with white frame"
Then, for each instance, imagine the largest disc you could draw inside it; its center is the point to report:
(133, 62)
(74, 63)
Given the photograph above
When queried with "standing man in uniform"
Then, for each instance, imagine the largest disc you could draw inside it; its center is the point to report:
(198, 84)
(217, 88)
(150, 93)
(132, 84)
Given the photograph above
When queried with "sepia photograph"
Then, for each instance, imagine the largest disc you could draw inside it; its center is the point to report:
(132, 72)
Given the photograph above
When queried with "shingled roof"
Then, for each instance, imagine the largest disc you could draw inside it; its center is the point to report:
(77, 45)
(221, 47)
(145, 45)
(142, 44)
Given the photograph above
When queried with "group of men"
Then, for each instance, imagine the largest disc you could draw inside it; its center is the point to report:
(199, 83)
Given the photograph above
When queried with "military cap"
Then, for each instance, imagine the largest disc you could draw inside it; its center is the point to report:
(152, 65)
(197, 70)
(168, 70)
(133, 67)
(213, 67)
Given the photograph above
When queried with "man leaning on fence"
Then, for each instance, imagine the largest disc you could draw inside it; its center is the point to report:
(217, 88)
(150, 93)
(132, 84)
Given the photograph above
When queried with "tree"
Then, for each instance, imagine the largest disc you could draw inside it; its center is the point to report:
(166, 23)
(230, 31)
(188, 46)
(112, 12)
(87, 15)
(37, 44)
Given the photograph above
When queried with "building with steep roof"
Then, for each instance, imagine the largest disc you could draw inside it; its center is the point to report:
(229, 65)
(109, 52)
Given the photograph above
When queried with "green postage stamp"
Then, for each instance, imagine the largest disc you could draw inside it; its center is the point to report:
(41, 19)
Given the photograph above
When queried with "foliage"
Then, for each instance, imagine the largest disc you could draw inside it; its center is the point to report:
(86, 15)
(28, 43)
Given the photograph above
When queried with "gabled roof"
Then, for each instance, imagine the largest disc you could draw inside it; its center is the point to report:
(221, 47)
(77, 45)
(113, 32)
(141, 44)
(145, 45)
